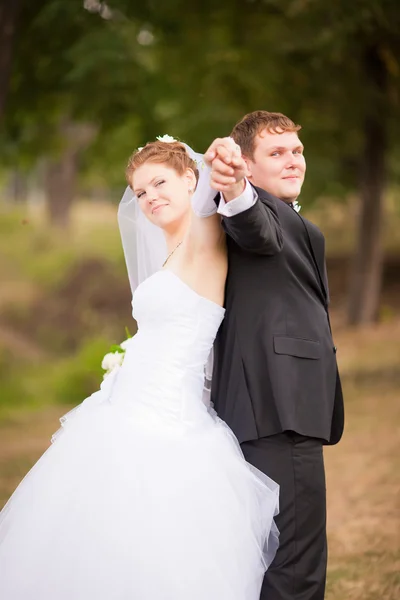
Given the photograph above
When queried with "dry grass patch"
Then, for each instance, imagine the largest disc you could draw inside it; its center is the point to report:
(363, 471)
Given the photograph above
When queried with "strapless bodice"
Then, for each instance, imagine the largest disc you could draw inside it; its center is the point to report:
(164, 362)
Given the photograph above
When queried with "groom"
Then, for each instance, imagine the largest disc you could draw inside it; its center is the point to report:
(276, 382)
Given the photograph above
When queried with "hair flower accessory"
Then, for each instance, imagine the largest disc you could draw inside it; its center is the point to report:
(168, 139)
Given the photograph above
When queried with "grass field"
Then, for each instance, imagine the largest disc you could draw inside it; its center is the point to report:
(363, 471)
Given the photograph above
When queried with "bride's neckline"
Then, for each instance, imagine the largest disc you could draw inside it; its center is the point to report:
(187, 286)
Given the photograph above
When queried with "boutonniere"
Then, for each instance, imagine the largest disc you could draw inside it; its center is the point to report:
(296, 206)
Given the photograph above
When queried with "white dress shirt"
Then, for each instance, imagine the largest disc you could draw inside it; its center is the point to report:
(246, 200)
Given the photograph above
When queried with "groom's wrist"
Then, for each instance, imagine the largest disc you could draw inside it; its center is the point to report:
(234, 191)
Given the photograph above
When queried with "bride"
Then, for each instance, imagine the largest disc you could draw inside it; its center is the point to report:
(144, 493)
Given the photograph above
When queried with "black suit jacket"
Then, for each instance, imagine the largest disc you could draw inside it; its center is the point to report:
(274, 359)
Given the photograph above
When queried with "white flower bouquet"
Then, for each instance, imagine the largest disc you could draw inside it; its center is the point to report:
(115, 357)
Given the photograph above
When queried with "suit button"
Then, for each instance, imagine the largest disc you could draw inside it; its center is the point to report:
(334, 349)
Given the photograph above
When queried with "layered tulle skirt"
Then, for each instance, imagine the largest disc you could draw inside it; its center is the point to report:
(125, 507)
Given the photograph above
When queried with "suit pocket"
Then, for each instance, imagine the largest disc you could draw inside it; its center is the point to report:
(297, 347)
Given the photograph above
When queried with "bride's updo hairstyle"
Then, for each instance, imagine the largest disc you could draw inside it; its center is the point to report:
(172, 154)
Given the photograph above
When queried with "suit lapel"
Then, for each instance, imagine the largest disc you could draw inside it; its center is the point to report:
(317, 245)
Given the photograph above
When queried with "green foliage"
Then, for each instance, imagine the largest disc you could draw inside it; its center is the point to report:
(63, 300)
(66, 381)
(78, 376)
(158, 67)
(15, 391)
(116, 348)
(115, 76)
(51, 253)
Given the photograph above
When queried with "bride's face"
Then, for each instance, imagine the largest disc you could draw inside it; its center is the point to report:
(162, 193)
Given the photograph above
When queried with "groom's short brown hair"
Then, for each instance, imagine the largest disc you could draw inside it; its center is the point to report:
(246, 130)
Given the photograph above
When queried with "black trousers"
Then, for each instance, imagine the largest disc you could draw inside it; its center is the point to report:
(298, 571)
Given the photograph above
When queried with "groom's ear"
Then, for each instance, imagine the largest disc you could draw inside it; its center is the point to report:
(248, 173)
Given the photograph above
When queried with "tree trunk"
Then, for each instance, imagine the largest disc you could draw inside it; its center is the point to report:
(8, 23)
(59, 182)
(18, 187)
(367, 268)
(61, 173)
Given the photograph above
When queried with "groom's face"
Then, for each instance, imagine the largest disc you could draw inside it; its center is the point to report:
(278, 164)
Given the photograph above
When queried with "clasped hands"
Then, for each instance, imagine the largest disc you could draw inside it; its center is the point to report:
(228, 167)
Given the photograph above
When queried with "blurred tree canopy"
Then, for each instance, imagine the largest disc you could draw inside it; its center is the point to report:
(106, 77)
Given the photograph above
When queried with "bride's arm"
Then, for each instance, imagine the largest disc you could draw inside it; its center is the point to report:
(206, 233)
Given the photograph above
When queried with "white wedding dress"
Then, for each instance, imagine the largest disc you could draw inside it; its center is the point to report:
(144, 493)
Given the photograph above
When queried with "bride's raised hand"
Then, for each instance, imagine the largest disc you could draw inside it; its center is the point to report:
(226, 149)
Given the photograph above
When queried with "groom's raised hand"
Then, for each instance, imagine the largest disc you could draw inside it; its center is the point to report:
(228, 167)
(226, 148)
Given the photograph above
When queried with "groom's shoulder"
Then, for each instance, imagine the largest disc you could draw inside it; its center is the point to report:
(286, 214)
(264, 195)
(271, 200)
